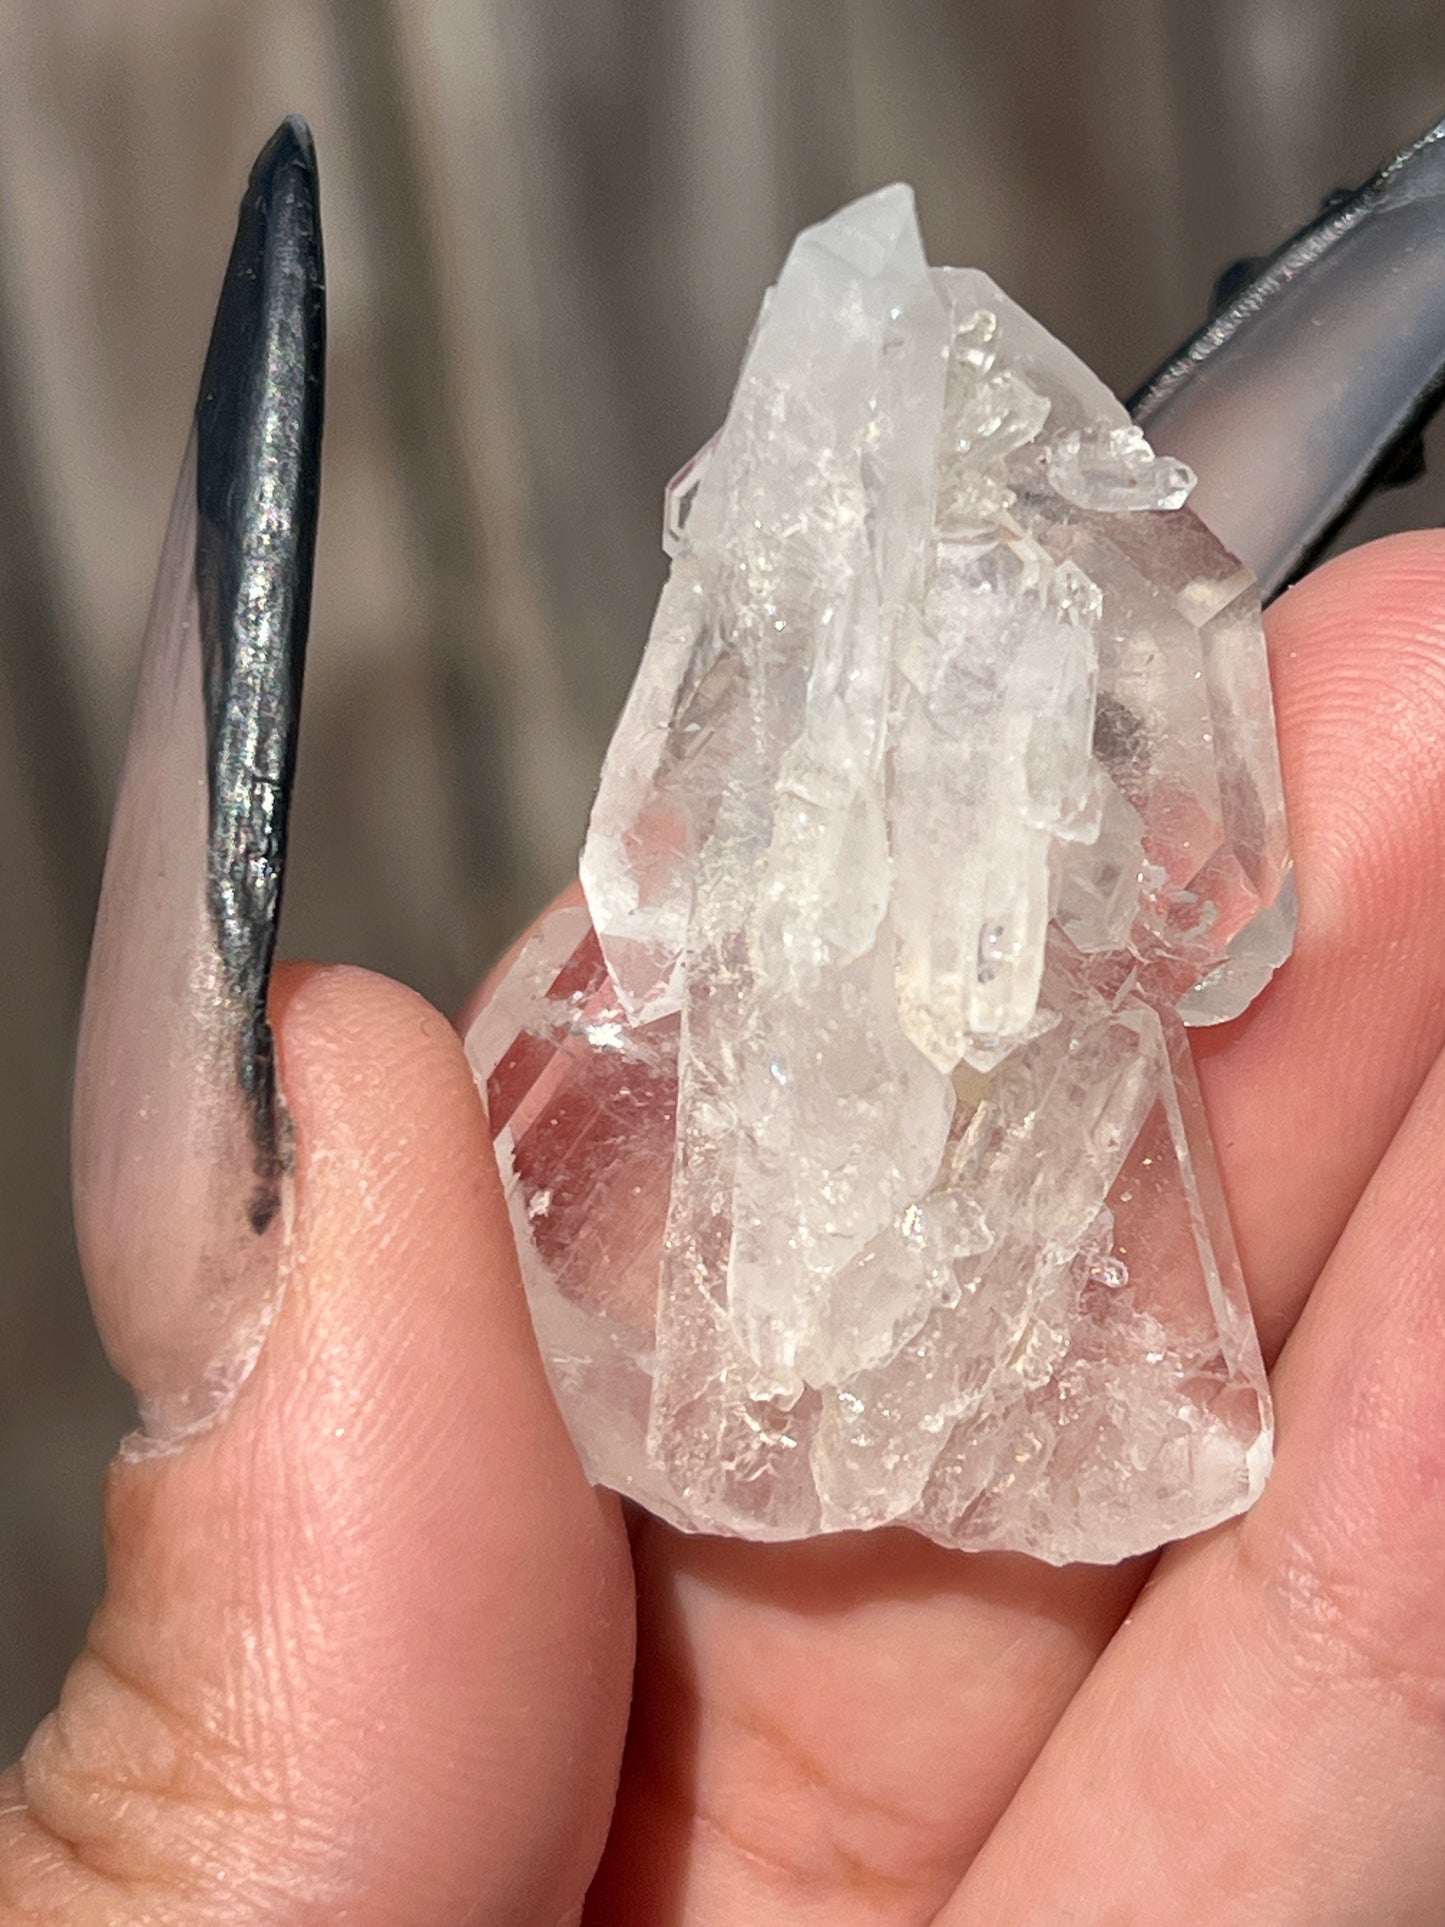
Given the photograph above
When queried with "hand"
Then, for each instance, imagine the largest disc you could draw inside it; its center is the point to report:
(366, 1653)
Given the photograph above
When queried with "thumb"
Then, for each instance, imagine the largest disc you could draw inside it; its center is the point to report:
(364, 1652)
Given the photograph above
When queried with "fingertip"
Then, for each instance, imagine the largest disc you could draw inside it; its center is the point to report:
(373, 1073)
(1392, 573)
(350, 1036)
(1359, 660)
(1306, 1090)
(378, 1600)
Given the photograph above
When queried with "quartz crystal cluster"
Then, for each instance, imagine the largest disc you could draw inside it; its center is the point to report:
(850, 1134)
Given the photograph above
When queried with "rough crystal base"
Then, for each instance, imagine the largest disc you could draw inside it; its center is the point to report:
(1083, 1385)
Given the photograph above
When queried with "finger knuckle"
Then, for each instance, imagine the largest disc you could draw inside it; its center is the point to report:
(129, 1804)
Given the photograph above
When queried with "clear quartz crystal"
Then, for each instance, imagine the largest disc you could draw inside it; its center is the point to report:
(850, 1134)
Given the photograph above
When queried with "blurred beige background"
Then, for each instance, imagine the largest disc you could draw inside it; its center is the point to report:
(548, 224)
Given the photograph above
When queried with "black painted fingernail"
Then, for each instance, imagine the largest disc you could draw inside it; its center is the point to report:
(180, 1141)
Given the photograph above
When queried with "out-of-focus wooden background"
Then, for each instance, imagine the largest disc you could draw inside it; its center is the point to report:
(547, 230)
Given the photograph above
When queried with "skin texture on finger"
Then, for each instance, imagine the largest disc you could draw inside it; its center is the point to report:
(1306, 1090)
(365, 1650)
(820, 1732)
(1264, 1742)
(784, 1763)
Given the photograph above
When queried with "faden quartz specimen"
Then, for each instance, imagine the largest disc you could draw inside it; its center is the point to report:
(850, 1134)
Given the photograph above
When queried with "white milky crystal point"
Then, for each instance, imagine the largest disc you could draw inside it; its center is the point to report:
(850, 1134)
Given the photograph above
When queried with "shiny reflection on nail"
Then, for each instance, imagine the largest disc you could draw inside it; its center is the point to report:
(180, 1143)
(1286, 403)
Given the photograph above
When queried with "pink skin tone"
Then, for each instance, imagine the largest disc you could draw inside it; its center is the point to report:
(367, 1650)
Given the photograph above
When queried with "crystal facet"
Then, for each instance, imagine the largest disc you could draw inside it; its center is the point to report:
(850, 1133)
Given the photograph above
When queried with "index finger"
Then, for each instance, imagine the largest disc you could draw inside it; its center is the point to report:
(1305, 1092)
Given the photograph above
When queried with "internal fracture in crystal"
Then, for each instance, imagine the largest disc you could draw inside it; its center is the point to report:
(852, 1143)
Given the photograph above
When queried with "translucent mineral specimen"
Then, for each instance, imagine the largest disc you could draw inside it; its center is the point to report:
(851, 1138)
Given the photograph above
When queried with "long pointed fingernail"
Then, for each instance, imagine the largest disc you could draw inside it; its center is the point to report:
(1292, 397)
(180, 1142)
